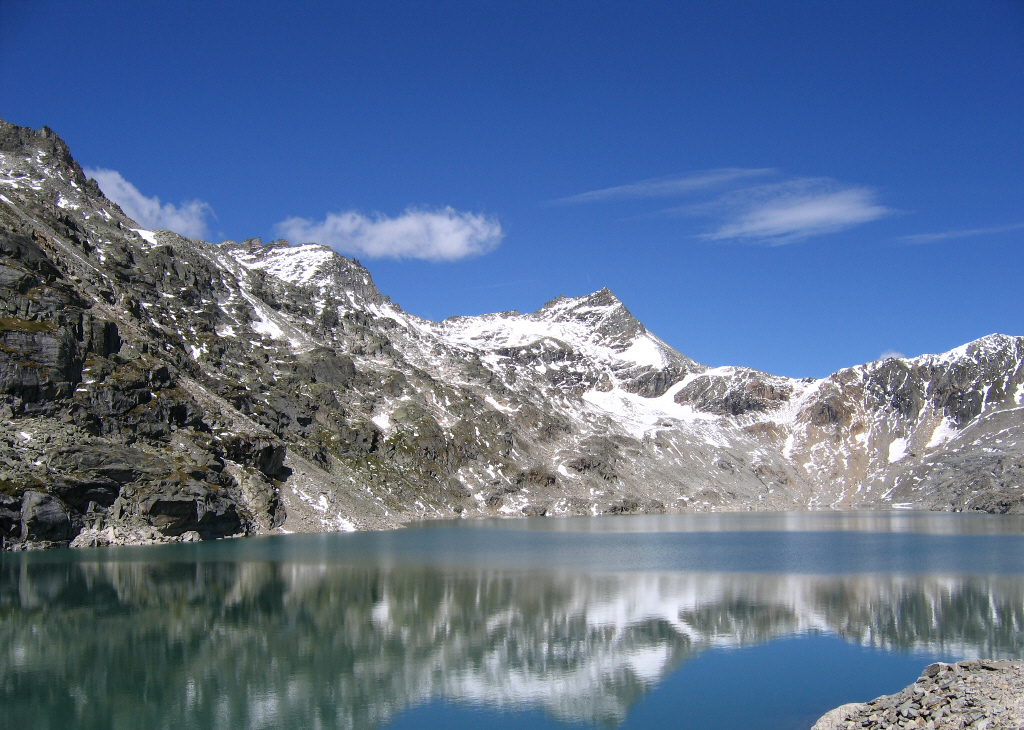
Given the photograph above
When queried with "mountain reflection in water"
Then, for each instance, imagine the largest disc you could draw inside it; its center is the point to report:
(119, 644)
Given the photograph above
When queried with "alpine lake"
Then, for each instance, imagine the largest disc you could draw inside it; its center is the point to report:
(684, 621)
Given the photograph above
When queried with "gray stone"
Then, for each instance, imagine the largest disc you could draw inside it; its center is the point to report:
(43, 517)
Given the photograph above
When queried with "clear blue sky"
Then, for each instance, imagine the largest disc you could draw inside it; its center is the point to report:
(790, 186)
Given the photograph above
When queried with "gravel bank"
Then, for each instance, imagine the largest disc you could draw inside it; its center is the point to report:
(976, 694)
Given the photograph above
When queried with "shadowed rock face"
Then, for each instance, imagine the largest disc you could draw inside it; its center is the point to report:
(168, 386)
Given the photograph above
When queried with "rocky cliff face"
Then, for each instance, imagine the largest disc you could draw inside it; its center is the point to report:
(154, 387)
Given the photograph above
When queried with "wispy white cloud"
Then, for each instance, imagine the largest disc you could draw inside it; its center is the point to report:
(792, 211)
(773, 213)
(963, 233)
(438, 235)
(188, 219)
(892, 353)
(668, 186)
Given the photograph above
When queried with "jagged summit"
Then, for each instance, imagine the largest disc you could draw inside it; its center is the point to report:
(37, 166)
(155, 387)
(24, 150)
(603, 297)
(309, 264)
(602, 311)
(597, 325)
(25, 142)
(987, 344)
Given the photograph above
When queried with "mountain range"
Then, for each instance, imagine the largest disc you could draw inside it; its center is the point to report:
(159, 388)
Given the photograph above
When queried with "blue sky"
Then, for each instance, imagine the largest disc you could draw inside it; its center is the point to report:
(790, 186)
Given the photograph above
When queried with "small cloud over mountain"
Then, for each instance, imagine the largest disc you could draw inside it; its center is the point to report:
(188, 218)
(434, 235)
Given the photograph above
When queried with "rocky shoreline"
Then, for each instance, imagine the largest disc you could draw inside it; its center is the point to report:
(977, 694)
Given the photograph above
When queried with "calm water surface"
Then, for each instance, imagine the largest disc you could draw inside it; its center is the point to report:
(710, 621)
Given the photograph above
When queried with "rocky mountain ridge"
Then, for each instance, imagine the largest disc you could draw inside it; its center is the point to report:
(155, 387)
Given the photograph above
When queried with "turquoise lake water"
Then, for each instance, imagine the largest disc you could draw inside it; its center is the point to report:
(691, 621)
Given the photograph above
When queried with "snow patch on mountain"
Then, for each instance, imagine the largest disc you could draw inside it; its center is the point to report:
(942, 433)
(146, 235)
(645, 351)
(641, 415)
(302, 265)
(897, 450)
